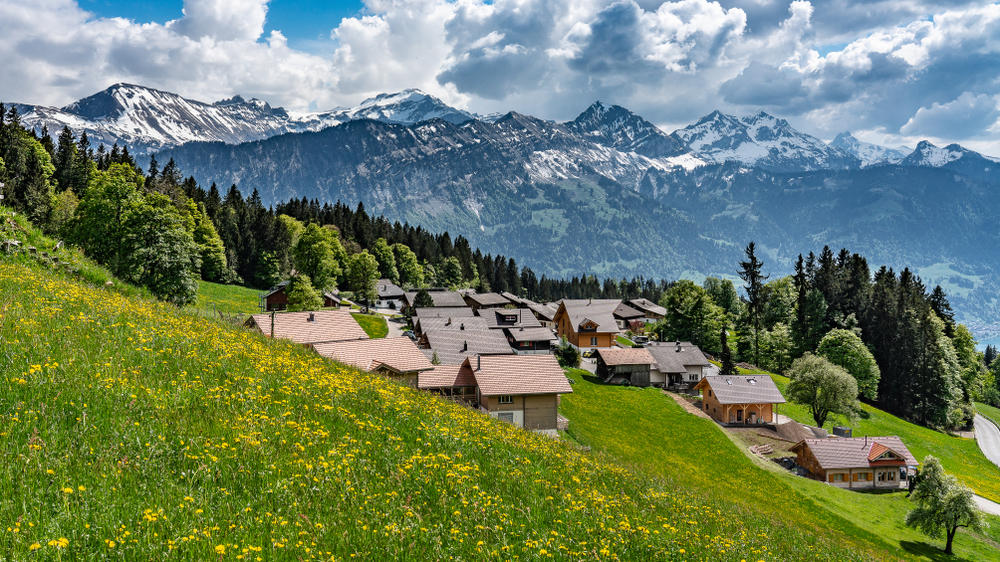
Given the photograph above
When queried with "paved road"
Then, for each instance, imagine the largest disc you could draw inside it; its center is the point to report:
(988, 437)
(993, 508)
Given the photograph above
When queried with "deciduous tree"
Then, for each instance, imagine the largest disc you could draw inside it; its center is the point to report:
(943, 504)
(845, 349)
(824, 387)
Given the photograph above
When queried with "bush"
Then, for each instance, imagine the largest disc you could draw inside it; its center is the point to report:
(567, 355)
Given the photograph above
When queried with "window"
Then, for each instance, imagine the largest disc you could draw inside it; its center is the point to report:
(593, 341)
(692, 377)
(839, 477)
(506, 399)
(506, 416)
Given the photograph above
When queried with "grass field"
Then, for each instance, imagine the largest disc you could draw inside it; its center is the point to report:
(990, 412)
(959, 456)
(373, 324)
(651, 433)
(229, 299)
(623, 341)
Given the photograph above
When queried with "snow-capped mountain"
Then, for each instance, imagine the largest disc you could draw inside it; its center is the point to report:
(869, 154)
(760, 140)
(619, 128)
(927, 154)
(148, 120)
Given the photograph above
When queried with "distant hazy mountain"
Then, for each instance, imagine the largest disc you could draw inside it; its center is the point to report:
(869, 154)
(619, 128)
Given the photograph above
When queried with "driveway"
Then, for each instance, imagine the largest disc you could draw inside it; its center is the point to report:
(988, 437)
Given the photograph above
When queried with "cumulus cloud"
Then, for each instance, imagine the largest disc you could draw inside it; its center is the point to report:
(965, 116)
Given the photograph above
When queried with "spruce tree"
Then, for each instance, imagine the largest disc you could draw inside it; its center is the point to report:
(728, 366)
(753, 278)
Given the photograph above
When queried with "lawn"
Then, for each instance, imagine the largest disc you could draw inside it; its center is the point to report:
(959, 456)
(989, 412)
(652, 434)
(373, 324)
(228, 299)
(623, 341)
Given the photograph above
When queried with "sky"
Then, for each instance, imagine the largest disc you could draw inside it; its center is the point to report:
(891, 71)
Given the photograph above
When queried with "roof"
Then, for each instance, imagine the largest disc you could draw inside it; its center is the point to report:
(444, 376)
(276, 289)
(398, 354)
(439, 298)
(518, 374)
(856, 452)
(453, 346)
(327, 325)
(388, 290)
(648, 306)
(531, 334)
(669, 360)
(450, 323)
(512, 297)
(522, 317)
(545, 311)
(487, 299)
(626, 312)
(613, 356)
(444, 312)
(743, 389)
(598, 311)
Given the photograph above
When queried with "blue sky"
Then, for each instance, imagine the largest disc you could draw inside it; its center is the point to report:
(891, 72)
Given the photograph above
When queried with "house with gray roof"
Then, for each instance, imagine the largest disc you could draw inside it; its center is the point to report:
(452, 346)
(587, 323)
(741, 399)
(650, 309)
(857, 462)
(476, 301)
(389, 294)
(677, 365)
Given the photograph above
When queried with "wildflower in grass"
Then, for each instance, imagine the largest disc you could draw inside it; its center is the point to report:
(220, 549)
(67, 490)
(34, 546)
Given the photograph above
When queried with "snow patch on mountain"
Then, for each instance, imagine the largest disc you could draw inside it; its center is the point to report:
(869, 154)
(927, 154)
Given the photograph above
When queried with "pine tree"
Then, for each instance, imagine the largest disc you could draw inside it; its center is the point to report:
(753, 278)
(728, 367)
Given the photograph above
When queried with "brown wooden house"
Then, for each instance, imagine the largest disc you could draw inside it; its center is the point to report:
(520, 389)
(275, 298)
(624, 365)
(527, 341)
(743, 399)
(857, 462)
(451, 382)
(587, 324)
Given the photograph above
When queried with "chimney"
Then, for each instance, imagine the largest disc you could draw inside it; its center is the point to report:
(448, 323)
(678, 348)
(461, 326)
(312, 316)
(465, 345)
(479, 362)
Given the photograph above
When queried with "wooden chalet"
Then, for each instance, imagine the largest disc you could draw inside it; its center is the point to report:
(504, 318)
(451, 382)
(398, 358)
(440, 298)
(544, 313)
(274, 298)
(520, 389)
(625, 315)
(743, 399)
(624, 365)
(857, 462)
(528, 341)
(308, 327)
(476, 301)
(650, 310)
(677, 365)
(587, 324)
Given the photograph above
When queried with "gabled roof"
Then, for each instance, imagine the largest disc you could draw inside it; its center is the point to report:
(613, 356)
(398, 354)
(669, 360)
(742, 389)
(531, 334)
(276, 289)
(498, 375)
(857, 452)
(326, 325)
(453, 346)
(598, 311)
(648, 306)
(512, 297)
(444, 312)
(450, 323)
(522, 317)
(626, 312)
(440, 298)
(446, 376)
(388, 290)
(487, 299)
(543, 311)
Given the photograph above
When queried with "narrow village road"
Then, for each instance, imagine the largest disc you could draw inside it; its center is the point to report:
(988, 437)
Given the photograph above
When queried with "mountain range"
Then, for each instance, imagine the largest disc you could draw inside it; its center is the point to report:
(608, 192)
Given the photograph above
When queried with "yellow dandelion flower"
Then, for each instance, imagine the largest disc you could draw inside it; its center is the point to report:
(34, 546)
(220, 549)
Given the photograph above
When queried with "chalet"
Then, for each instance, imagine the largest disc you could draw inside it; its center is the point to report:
(444, 312)
(650, 309)
(544, 313)
(625, 315)
(514, 299)
(477, 301)
(440, 298)
(678, 365)
(453, 346)
(857, 462)
(501, 318)
(334, 300)
(398, 358)
(423, 325)
(389, 295)
(452, 382)
(530, 341)
(743, 399)
(521, 389)
(308, 327)
(587, 324)
(274, 298)
(624, 365)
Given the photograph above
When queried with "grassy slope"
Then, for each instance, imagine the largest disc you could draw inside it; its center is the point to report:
(130, 426)
(959, 456)
(989, 412)
(230, 299)
(373, 324)
(652, 433)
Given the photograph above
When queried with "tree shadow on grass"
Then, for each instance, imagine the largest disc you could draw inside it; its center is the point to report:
(928, 551)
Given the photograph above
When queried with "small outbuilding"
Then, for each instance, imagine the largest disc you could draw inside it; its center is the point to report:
(624, 365)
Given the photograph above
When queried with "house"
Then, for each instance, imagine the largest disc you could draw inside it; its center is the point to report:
(398, 358)
(500, 318)
(274, 298)
(421, 315)
(521, 389)
(334, 300)
(678, 365)
(625, 315)
(485, 300)
(441, 298)
(587, 323)
(650, 309)
(625, 365)
(451, 347)
(308, 327)
(743, 399)
(451, 382)
(857, 462)
(389, 295)
(544, 313)
(423, 325)
(514, 299)
(529, 341)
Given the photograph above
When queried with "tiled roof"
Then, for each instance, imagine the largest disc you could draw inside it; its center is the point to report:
(613, 356)
(531, 334)
(669, 360)
(743, 389)
(444, 312)
(487, 299)
(522, 317)
(398, 354)
(444, 376)
(453, 346)
(626, 312)
(451, 323)
(649, 306)
(512, 297)
(518, 374)
(327, 325)
(388, 290)
(855, 452)
(439, 298)
(598, 311)
(545, 311)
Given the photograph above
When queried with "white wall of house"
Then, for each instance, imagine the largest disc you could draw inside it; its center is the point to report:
(518, 416)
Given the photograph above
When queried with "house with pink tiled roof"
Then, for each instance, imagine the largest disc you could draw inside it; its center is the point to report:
(521, 389)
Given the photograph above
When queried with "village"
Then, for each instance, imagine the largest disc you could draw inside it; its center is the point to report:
(496, 353)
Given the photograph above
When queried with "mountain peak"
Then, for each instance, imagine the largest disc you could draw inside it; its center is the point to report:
(621, 129)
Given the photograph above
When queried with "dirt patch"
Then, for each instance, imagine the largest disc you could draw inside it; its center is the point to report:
(689, 406)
